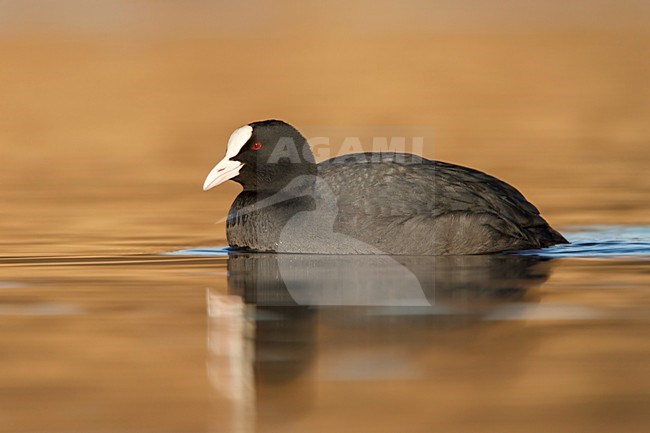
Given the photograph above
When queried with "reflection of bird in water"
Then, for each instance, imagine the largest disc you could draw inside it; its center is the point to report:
(253, 352)
(405, 301)
(366, 280)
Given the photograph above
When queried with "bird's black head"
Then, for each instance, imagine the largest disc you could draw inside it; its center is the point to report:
(263, 156)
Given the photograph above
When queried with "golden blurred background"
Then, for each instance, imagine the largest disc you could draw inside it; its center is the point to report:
(112, 112)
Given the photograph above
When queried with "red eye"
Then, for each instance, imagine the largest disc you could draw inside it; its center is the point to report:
(256, 146)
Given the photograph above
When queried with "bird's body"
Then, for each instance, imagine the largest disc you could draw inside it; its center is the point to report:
(377, 203)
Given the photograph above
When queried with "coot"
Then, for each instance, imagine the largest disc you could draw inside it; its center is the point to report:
(366, 203)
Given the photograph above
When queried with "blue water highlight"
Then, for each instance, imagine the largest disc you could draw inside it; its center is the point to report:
(598, 241)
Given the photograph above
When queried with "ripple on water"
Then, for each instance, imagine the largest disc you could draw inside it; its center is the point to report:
(586, 241)
(600, 241)
(202, 251)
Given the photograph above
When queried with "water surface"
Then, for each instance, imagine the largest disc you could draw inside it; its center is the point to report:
(214, 340)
